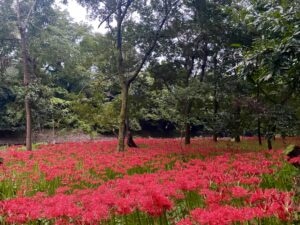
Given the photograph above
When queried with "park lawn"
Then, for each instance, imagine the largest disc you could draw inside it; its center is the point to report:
(162, 182)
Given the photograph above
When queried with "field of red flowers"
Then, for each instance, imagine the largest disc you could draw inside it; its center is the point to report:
(162, 182)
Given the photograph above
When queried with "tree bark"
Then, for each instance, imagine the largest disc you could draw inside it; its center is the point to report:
(26, 74)
(216, 103)
(258, 118)
(187, 125)
(259, 131)
(269, 140)
(123, 116)
(123, 83)
(187, 137)
(28, 124)
(238, 123)
(216, 107)
(203, 66)
(237, 138)
(130, 142)
(215, 137)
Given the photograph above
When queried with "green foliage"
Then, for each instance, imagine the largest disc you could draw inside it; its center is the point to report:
(210, 56)
(289, 149)
(282, 179)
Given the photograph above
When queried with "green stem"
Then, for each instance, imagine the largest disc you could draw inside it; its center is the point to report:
(138, 216)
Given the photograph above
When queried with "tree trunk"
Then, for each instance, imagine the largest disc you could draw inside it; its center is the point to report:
(26, 73)
(203, 66)
(283, 136)
(123, 116)
(121, 12)
(274, 132)
(187, 136)
(216, 103)
(269, 143)
(215, 137)
(258, 118)
(123, 82)
(238, 123)
(28, 124)
(216, 107)
(130, 142)
(259, 131)
(187, 125)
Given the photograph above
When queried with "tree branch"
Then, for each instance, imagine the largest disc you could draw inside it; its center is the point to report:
(29, 13)
(151, 48)
(170, 90)
(112, 12)
(10, 39)
(126, 8)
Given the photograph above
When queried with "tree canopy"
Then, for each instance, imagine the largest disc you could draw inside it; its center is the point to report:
(164, 67)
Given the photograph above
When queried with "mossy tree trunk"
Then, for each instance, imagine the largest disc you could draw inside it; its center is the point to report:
(123, 116)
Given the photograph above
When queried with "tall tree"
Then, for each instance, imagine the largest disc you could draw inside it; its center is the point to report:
(27, 13)
(272, 61)
(24, 14)
(138, 26)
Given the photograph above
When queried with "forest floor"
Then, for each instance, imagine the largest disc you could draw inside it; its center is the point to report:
(47, 136)
(163, 182)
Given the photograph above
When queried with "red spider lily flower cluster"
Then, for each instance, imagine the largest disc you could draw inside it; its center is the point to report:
(221, 180)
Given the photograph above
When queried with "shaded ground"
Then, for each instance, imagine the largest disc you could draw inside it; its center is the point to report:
(17, 138)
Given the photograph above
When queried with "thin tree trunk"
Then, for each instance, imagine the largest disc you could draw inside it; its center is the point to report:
(258, 118)
(238, 123)
(187, 125)
(274, 132)
(203, 66)
(26, 74)
(124, 84)
(215, 137)
(28, 124)
(216, 106)
(269, 143)
(123, 116)
(216, 103)
(283, 136)
(259, 131)
(53, 130)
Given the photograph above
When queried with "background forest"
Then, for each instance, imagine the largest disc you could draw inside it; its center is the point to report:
(185, 67)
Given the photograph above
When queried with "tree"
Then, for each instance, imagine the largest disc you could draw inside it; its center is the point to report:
(54, 61)
(23, 15)
(22, 27)
(272, 61)
(150, 20)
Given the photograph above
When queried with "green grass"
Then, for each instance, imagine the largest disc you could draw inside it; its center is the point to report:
(281, 179)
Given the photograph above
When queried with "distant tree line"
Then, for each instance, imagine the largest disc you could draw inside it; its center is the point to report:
(202, 67)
